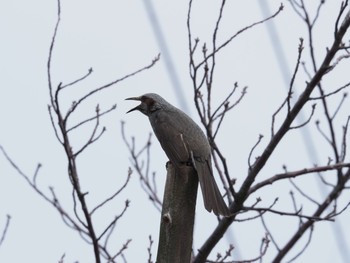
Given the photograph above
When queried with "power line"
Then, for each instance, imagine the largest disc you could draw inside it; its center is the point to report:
(171, 70)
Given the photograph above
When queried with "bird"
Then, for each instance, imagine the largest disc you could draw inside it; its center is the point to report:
(184, 142)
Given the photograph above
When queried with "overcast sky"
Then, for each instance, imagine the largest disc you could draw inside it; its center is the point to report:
(118, 37)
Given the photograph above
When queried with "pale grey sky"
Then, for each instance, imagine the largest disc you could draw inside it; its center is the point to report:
(115, 38)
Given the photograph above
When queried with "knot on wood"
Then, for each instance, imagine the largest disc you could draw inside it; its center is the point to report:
(167, 218)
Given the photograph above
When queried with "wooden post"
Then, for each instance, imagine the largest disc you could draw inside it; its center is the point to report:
(176, 227)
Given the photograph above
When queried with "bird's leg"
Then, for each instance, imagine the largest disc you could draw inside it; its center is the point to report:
(189, 163)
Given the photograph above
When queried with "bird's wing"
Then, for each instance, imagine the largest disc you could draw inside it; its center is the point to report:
(173, 143)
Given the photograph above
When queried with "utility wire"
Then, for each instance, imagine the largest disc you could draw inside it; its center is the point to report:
(171, 70)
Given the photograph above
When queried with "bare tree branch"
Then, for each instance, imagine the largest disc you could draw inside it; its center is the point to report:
(142, 169)
(115, 194)
(247, 188)
(294, 174)
(149, 249)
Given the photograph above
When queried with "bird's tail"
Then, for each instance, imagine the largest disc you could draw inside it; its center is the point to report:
(212, 197)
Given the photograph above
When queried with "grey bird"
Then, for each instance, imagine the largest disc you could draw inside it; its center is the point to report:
(184, 142)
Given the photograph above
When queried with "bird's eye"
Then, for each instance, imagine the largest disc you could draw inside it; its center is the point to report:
(152, 108)
(148, 101)
(150, 104)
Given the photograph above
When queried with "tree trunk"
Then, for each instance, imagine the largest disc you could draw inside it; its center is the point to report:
(176, 228)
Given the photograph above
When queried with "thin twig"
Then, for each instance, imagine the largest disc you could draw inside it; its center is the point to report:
(307, 121)
(148, 186)
(252, 150)
(53, 124)
(238, 33)
(308, 242)
(303, 192)
(124, 247)
(284, 213)
(322, 133)
(52, 44)
(92, 118)
(115, 194)
(4, 231)
(320, 4)
(278, 177)
(89, 94)
(339, 106)
(268, 231)
(290, 91)
(93, 137)
(344, 140)
(112, 224)
(343, 6)
(78, 80)
(274, 117)
(149, 249)
(331, 93)
(264, 246)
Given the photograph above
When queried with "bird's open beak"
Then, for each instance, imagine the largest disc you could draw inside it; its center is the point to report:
(137, 107)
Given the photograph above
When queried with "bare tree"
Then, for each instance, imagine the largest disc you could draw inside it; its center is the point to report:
(80, 217)
(202, 72)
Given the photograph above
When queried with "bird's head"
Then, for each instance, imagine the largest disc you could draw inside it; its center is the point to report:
(150, 103)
